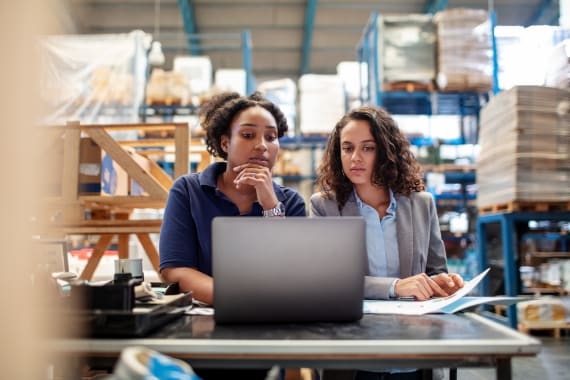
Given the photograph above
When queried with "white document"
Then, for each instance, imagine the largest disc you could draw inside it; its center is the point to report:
(448, 305)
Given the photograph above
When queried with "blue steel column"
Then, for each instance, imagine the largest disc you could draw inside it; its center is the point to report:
(510, 269)
(482, 252)
(434, 6)
(246, 57)
(377, 63)
(310, 12)
(189, 22)
(493, 17)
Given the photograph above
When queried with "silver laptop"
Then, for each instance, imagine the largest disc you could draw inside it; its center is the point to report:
(291, 269)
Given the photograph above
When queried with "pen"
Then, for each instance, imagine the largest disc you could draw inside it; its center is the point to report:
(410, 298)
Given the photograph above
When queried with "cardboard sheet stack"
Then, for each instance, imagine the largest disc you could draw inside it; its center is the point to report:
(464, 50)
(407, 45)
(525, 147)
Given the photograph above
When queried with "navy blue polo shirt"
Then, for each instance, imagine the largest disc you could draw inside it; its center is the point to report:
(194, 200)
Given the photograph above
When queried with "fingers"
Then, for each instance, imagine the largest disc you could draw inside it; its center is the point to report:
(457, 280)
(251, 174)
(445, 280)
(419, 286)
(450, 282)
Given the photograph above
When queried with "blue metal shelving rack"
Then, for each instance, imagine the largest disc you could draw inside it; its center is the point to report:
(508, 221)
(416, 103)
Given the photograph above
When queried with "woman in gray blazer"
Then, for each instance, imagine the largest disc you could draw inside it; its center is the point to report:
(368, 170)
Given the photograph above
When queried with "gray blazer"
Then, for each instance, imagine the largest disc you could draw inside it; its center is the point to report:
(420, 246)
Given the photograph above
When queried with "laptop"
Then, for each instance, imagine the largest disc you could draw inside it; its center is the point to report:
(293, 269)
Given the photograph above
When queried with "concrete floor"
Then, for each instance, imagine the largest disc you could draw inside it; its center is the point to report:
(552, 363)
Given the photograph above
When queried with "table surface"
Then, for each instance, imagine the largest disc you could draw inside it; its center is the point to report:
(434, 336)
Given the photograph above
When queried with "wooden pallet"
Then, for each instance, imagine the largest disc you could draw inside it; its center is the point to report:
(537, 206)
(554, 327)
(166, 101)
(442, 168)
(409, 86)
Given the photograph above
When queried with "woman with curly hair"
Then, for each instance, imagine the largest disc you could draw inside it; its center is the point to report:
(244, 132)
(368, 170)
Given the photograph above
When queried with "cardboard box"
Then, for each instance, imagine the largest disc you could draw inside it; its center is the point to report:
(89, 167)
(115, 180)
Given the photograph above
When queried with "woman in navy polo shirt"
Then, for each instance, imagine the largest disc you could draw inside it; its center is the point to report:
(245, 132)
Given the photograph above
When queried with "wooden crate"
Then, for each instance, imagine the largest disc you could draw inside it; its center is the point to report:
(108, 215)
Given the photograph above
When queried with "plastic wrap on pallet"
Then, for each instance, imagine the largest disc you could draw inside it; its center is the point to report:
(558, 66)
(282, 92)
(407, 48)
(464, 50)
(93, 78)
(525, 147)
(322, 103)
(355, 80)
(167, 88)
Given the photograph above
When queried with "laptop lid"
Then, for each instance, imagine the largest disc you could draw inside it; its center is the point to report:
(291, 269)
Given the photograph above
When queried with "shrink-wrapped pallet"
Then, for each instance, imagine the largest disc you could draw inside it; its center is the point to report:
(93, 78)
(541, 310)
(167, 88)
(464, 50)
(558, 66)
(525, 145)
(407, 48)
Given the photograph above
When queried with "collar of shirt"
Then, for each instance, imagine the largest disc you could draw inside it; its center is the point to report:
(391, 210)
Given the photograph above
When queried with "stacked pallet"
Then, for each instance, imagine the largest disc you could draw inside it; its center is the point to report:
(525, 144)
(464, 50)
(542, 314)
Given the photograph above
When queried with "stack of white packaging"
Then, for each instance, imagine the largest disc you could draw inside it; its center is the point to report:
(282, 92)
(558, 66)
(198, 71)
(322, 103)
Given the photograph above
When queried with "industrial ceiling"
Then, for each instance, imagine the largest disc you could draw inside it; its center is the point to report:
(288, 37)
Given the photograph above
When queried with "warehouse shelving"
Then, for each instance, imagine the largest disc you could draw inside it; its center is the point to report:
(512, 225)
(168, 111)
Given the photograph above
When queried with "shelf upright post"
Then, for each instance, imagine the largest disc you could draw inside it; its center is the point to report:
(246, 57)
(367, 51)
(493, 19)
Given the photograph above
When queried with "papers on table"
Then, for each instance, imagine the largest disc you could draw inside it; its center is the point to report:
(448, 305)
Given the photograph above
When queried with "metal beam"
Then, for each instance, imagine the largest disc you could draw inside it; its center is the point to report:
(246, 58)
(310, 12)
(546, 11)
(189, 22)
(434, 6)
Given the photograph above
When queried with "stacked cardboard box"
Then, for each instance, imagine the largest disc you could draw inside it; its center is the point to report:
(525, 147)
(464, 50)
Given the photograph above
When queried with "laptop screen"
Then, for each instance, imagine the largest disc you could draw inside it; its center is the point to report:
(291, 269)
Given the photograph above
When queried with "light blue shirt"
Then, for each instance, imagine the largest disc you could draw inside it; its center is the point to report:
(382, 246)
(381, 241)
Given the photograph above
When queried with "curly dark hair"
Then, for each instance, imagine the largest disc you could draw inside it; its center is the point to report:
(395, 167)
(217, 114)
